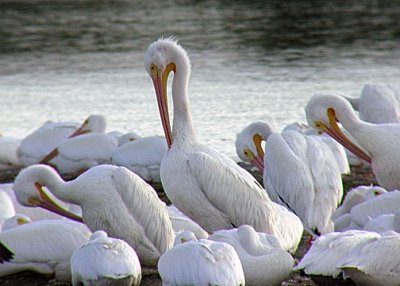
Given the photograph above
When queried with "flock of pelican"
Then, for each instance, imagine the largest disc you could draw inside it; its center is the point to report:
(108, 225)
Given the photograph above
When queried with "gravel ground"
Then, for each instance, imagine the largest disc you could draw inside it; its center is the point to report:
(357, 177)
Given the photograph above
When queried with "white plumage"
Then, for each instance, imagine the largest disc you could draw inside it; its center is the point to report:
(14, 221)
(180, 222)
(142, 156)
(204, 184)
(201, 263)
(8, 153)
(7, 209)
(43, 246)
(300, 172)
(112, 199)
(378, 143)
(105, 261)
(263, 259)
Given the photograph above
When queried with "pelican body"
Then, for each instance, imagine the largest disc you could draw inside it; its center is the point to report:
(207, 186)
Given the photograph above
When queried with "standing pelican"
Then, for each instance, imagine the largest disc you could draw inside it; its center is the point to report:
(300, 172)
(105, 261)
(112, 199)
(43, 246)
(263, 259)
(378, 143)
(200, 262)
(204, 184)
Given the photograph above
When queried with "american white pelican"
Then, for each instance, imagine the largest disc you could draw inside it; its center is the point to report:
(377, 103)
(299, 172)
(207, 186)
(43, 246)
(376, 263)
(14, 221)
(7, 209)
(8, 153)
(105, 261)
(93, 124)
(142, 156)
(342, 217)
(264, 260)
(324, 255)
(378, 142)
(383, 223)
(180, 222)
(200, 262)
(78, 154)
(112, 199)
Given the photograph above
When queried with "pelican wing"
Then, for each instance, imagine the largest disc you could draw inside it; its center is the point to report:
(230, 189)
(145, 206)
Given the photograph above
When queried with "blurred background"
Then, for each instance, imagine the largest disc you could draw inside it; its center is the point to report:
(63, 60)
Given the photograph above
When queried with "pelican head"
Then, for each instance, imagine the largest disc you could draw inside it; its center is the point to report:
(94, 123)
(184, 236)
(163, 57)
(14, 221)
(374, 191)
(248, 143)
(322, 114)
(29, 189)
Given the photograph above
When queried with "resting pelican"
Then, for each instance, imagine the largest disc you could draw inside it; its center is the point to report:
(43, 246)
(14, 221)
(142, 156)
(204, 184)
(7, 209)
(264, 260)
(299, 172)
(105, 261)
(383, 223)
(375, 263)
(78, 154)
(112, 199)
(329, 249)
(378, 142)
(8, 153)
(93, 124)
(200, 262)
(377, 103)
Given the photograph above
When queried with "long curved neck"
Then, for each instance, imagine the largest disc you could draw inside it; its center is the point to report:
(348, 118)
(55, 184)
(182, 128)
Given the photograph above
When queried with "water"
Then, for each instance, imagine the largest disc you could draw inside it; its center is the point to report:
(63, 60)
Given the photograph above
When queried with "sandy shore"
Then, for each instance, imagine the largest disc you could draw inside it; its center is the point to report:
(357, 177)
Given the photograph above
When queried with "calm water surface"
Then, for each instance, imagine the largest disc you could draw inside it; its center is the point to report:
(64, 60)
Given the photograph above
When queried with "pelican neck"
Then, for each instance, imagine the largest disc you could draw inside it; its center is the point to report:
(56, 185)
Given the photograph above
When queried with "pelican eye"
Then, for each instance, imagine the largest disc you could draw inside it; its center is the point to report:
(153, 70)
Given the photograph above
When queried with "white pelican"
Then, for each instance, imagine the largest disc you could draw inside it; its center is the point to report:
(299, 172)
(43, 246)
(328, 250)
(8, 153)
(180, 222)
(93, 124)
(105, 261)
(383, 223)
(341, 216)
(7, 209)
(377, 103)
(376, 263)
(142, 156)
(264, 260)
(378, 142)
(200, 262)
(204, 184)
(78, 154)
(112, 199)
(14, 221)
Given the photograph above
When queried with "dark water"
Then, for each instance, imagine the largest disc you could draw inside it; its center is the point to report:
(251, 60)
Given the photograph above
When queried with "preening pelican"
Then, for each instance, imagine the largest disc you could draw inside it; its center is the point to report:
(264, 260)
(93, 124)
(329, 249)
(377, 103)
(105, 261)
(200, 262)
(14, 221)
(378, 142)
(43, 246)
(204, 184)
(142, 156)
(112, 199)
(375, 263)
(300, 172)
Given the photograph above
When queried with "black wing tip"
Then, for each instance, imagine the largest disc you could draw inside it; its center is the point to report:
(5, 253)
